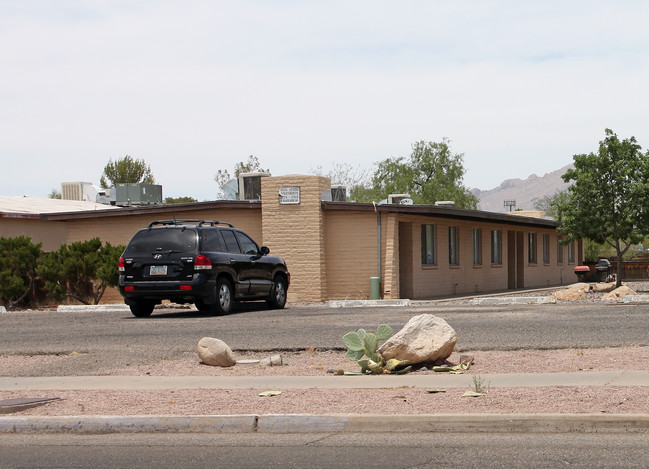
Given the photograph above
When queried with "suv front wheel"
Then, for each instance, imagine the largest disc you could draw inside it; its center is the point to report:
(277, 297)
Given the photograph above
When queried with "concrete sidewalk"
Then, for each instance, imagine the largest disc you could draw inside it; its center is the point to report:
(301, 423)
(75, 383)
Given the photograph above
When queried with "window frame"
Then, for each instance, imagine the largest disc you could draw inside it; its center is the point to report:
(453, 246)
(477, 247)
(496, 247)
(546, 249)
(532, 243)
(428, 236)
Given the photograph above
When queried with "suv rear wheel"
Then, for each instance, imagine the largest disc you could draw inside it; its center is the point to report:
(277, 298)
(224, 296)
(142, 309)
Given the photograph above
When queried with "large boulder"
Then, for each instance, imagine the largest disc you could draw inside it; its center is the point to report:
(618, 293)
(215, 352)
(574, 293)
(424, 339)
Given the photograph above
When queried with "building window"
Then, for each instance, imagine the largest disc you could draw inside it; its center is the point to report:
(477, 246)
(496, 247)
(428, 255)
(453, 246)
(571, 252)
(546, 249)
(531, 248)
(559, 250)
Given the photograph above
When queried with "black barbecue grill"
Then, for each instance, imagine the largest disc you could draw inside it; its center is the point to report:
(603, 269)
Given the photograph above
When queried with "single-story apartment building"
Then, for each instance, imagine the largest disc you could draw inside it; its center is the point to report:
(333, 248)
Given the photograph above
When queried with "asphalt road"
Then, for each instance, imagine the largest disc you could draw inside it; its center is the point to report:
(331, 451)
(116, 338)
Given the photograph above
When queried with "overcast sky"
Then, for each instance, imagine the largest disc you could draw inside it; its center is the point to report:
(192, 87)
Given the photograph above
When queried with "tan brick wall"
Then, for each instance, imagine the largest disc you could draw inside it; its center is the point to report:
(443, 279)
(350, 253)
(296, 233)
(119, 230)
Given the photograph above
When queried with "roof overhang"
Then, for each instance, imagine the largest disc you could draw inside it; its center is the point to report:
(443, 212)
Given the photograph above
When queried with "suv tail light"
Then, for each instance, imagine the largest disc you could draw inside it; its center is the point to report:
(202, 262)
(120, 265)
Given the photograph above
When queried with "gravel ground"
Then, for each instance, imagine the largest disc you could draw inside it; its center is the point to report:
(549, 399)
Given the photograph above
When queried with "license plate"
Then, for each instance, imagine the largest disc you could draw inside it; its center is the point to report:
(158, 270)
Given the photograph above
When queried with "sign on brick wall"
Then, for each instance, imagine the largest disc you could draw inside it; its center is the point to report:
(289, 195)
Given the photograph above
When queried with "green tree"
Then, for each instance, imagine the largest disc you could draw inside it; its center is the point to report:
(352, 177)
(126, 170)
(550, 203)
(608, 201)
(223, 176)
(81, 271)
(18, 263)
(179, 200)
(55, 194)
(431, 173)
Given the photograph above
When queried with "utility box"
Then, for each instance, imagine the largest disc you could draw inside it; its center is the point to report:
(137, 194)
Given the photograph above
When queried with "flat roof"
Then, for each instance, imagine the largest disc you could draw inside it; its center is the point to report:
(29, 207)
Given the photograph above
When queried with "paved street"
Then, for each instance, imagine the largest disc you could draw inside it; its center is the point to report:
(330, 451)
(115, 338)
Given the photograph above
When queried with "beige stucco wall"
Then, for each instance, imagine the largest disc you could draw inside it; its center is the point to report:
(51, 234)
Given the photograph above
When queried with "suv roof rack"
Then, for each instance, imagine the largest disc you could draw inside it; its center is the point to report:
(198, 223)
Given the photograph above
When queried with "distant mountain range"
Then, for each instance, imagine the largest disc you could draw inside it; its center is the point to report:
(524, 191)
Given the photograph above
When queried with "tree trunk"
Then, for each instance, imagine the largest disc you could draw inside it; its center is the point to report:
(618, 274)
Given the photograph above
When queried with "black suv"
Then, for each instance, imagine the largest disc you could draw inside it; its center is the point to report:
(208, 263)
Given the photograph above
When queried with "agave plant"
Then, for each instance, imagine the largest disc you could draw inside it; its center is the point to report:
(362, 347)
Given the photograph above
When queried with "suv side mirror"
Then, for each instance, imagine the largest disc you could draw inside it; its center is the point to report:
(264, 251)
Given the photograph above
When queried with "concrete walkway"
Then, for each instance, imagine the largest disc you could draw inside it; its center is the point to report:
(300, 423)
(75, 383)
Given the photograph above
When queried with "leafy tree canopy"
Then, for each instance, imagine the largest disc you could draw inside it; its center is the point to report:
(354, 178)
(179, 200)
(608, 201)
(126, 170)
(550, 203)
(431, 173)
(54, 194)
(223, 176)
(18, 263)
(81, 271)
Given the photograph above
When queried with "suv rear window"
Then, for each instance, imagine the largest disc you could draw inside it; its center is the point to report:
(179, 240)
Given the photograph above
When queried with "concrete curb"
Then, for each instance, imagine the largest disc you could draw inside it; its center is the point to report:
(332, 423)
(367, 303)
(517, 300)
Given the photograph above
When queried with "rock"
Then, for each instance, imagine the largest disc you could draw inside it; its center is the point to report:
(424, 339)
(618, 293)
(574, 293)
(215, 352)
(603, 287)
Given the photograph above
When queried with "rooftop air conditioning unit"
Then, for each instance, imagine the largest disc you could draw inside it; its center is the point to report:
(339, 193)
(250, 185)
(137, 194)
(399, 199)
(444, 203)
(73, 190)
